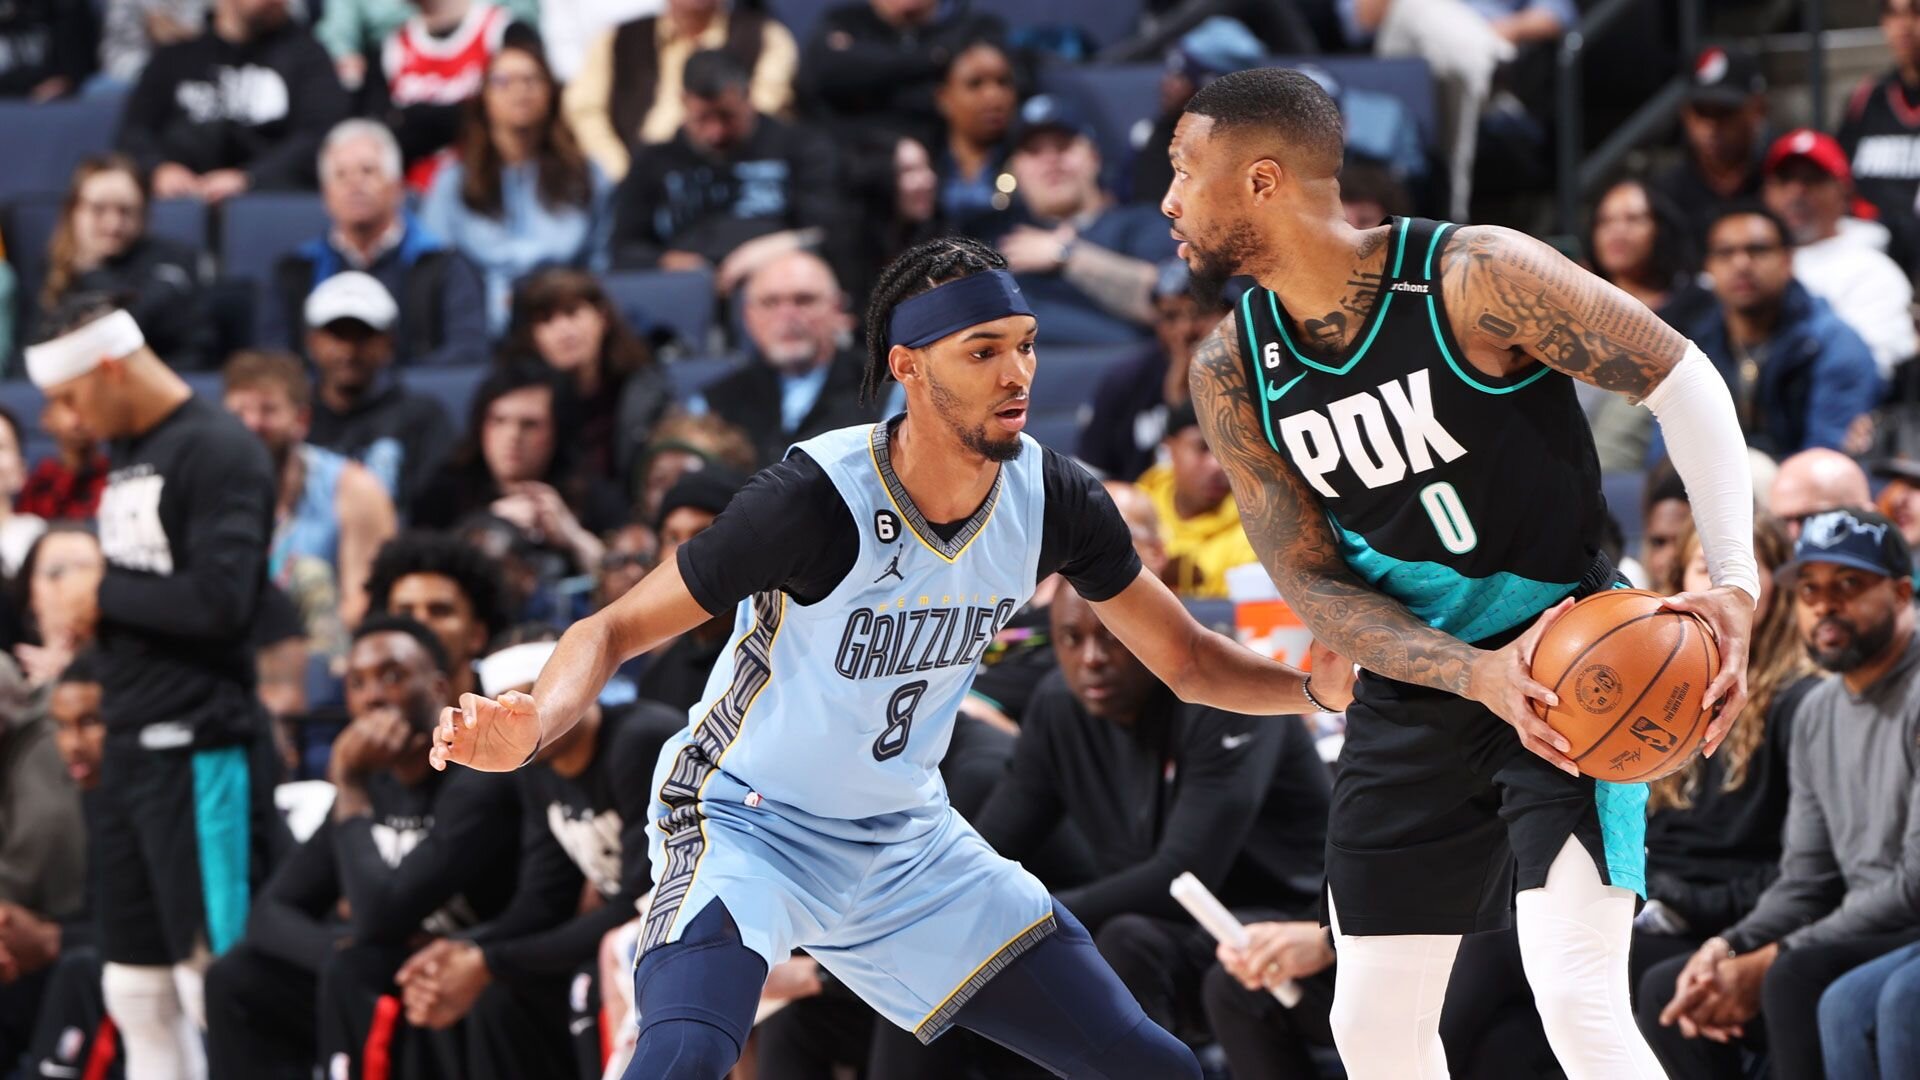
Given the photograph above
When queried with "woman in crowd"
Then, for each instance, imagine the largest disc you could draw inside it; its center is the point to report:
(55, 589)
(976, 97)
(891, 183)
(521, 194)
(101, 245)
(682, 444)
(564, 318)
(18, 530)
(1638, 241)
(518, 463)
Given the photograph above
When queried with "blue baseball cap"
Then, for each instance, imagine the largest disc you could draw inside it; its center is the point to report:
(1860, 539)
(1050, 112)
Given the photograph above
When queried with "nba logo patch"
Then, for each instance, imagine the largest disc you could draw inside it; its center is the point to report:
(577, 994)
(72, 1041)
(753, 798)
(339, 1067)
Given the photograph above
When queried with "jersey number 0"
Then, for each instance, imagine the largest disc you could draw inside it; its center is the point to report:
(899, 720)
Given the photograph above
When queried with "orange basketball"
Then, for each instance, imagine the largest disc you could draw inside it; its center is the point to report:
(1630, 678)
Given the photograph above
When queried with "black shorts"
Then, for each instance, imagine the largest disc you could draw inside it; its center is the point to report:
(174, 841)
(1439, 814)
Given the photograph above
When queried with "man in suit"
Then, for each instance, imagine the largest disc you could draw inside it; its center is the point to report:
(805, 375)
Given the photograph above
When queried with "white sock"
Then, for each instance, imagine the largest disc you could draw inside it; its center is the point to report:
(160, 1042)
(1574, 936)
(1388, 992)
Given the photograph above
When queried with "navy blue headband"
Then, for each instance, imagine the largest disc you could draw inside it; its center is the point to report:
(954, 306)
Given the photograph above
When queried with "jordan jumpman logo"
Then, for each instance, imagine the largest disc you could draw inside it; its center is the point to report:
(893, 568)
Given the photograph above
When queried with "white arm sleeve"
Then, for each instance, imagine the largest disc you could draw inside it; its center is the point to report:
(1709, 452)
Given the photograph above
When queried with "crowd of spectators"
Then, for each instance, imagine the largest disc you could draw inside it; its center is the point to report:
(481, 168)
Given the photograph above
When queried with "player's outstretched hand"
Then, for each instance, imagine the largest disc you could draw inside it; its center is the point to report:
(1333, 677)
(1502, 680)
(488, 734)
(1729, 614)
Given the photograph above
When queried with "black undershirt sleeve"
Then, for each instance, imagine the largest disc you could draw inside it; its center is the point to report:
(291, 918)
(1084, 539)
(386, 904)
(788, 529)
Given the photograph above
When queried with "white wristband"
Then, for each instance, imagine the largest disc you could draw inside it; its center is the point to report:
(1709, 452)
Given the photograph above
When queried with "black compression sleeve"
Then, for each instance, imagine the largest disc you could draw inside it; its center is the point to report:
(788, 529)
(1084, 537)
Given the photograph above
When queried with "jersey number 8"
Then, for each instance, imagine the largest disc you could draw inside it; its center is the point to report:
(1449, 516)
(899, 720)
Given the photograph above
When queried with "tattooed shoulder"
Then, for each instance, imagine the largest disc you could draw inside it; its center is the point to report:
(1511, 291)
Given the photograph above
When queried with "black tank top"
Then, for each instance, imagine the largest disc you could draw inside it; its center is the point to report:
(1474, 501)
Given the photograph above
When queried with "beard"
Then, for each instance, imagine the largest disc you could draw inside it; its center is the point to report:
(974, 437)
(1209, 268)
(1861, 647)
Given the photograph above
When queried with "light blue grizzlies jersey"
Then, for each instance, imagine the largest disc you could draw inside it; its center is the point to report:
(844, 708)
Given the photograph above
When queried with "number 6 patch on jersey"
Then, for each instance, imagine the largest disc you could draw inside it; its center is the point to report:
(886, 526)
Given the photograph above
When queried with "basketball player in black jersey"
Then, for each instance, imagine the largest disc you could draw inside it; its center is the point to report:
(1392, 407)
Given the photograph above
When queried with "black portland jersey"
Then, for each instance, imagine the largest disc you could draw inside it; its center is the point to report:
(1472, 500)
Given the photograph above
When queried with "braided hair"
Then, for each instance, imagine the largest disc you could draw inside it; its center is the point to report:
(918, 269)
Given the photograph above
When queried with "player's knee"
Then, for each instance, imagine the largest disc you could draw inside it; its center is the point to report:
(683, 1050)
(1148, 1050)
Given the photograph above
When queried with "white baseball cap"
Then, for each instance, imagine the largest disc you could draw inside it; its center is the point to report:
(352, 295)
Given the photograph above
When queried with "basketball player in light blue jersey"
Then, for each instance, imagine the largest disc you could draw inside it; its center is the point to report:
(803, 805)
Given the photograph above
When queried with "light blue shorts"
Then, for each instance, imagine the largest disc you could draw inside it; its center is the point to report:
(913, 911)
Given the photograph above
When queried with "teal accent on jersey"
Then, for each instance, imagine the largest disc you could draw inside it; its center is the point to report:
(1253, 360)
(1623, 830)
(1276, 395)
(1426, 269)
(1444, 598)
(1433, 315)
(1400, 246)
(1379, 320)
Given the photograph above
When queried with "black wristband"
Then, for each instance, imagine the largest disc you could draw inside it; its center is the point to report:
(1306, 688)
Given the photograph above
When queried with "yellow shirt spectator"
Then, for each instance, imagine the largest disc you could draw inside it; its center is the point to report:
(1197, 513)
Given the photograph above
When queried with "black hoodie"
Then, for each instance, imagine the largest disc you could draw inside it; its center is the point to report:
(263, 105)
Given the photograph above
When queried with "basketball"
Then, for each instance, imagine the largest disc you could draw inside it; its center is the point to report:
(1630, 678)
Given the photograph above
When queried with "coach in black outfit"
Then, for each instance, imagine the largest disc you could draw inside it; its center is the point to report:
(184, 523)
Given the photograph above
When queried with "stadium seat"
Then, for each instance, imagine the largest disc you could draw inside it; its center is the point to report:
(1058, 431)
(689, 377)
(1067, 375)
(800, 15)
(452, 387)
(1105, 21)
(1116, 97)
(680, 301)
(22, 399)
(45, 142)
(256, 230)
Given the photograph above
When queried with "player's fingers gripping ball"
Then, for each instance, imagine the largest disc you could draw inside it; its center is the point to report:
(1631, 678)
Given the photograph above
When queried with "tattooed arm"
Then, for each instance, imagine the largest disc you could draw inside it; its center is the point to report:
(1514, 300)
(1289, 529)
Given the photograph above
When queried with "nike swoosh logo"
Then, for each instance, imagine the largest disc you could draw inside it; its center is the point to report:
(1235, 742)
(1275, 393)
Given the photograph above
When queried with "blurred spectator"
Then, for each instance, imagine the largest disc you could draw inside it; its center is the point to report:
(65, 485)
(730, 189)
(633, 551)
(895, 196)
(1724, 119)
(879, 63)
(1122, 434)
(520, 195)
(1143, 521)
(1369, 193)
(102, 245)
(63, 564)
(1204, 538)
(565, 318)
(330, 508)
(1086, 265)
(1282, 26)
(1843, 896)
(804, 376)
(525, 569)
(1465, 42)
(46, 48)
(1900, 499)
(583, 831)
(241, 107)
(132, 29)
(1713, 828)
(1240, 802)
(1665, 517)
(1880, 130)
(682, 444)
(441, 315)
(1840, 259)
(360, 408)
(1813, 482)
(976, 99)
(629, 91)
(280, 652)
(49, 762)
(1639, 243)
(449, 588)
(18, 530)
(1214, 47)
(1865, 1018)
(428, 70)
(518, 462)
(356, 31)
(676, 673)
(1799, 375)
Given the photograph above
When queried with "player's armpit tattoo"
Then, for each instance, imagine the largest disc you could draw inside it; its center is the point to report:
(1289, 530)
(1562, 315)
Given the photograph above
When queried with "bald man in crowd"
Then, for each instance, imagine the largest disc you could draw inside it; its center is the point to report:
(1815, 481)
